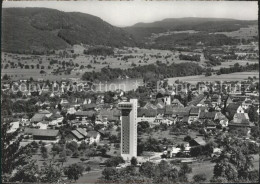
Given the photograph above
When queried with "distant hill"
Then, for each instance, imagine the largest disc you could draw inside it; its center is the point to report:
(41, 29)
(27, 30)
(141, 30)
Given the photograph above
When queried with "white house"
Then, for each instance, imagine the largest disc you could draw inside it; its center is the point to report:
(93, 136)
(14, 127)
(240, 109)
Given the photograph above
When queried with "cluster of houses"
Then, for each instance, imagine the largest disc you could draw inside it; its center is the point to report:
(162, 108)
(166, 110)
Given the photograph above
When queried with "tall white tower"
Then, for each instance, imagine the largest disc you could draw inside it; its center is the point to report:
(128, 129)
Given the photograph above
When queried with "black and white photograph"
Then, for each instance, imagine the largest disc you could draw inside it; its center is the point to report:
(129, 92)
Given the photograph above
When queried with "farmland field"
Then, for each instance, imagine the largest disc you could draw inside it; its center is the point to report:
(239, 76)
(242, 33)
(82, 63)
(229, 63)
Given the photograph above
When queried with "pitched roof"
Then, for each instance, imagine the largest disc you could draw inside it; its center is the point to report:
(149, 105)
(37, 117)
(185, 119)
(200, 141)
(85, 113)
(89, 106)
(41, 132)
(92, 134)
(146, 112)
(181, 111)
(176, 101)
(194, 110)
(44, 112)
(207, 115)
(241, 116)
(160, 105)
(168, 110)
(197, 100)
(82, 131)
(77, 134)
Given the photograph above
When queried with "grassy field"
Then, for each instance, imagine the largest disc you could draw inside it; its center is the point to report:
(207, 167)
(229, 63)
(242, 33)
(138, 57)
(239, 76)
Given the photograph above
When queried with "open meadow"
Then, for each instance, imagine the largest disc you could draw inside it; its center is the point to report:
(238, 76)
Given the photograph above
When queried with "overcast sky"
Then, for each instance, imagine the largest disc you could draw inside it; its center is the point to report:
(128, 13)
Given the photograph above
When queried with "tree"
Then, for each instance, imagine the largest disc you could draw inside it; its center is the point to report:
(226, 170)
(173, 175)
(88, 168)
(26, 173)
(187, 138)
(110, 173)
(6, 77)
(44, 155)
(83, 145)
(73, 146)
(161, 171)
(103, 151)
(74, 171)
(199, 178)
(50, 174)
(253, 176)
(114, 161)
(134, 161)
(42, 72)
(147, 169)
(184, 170)
(10, 149)
(252, 114)
(63, 157)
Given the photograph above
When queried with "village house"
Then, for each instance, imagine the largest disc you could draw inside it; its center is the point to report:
(93, 137)
(198, 141)
(14, 126)
(40, 116)
(41, 134)
(84, 115)
(194, 114)
(148, 115)
(246, 103)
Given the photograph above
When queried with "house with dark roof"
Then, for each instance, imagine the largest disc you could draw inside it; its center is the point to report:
(148, 115)
(84, 115)
(168, 111)
(42, 134)
(194, 114)
(207, 115)
(77, 135)
(231, 109)
(177, 103)
(110, 115)
(198, 141)
(196, 100)
(215, 100)
(210, 125)
(88, 107)
(38, 118)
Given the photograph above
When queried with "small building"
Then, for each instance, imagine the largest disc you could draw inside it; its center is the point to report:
(84, 115)
(93, 137)
(198, 141)
(194, 114)
(14, 127)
